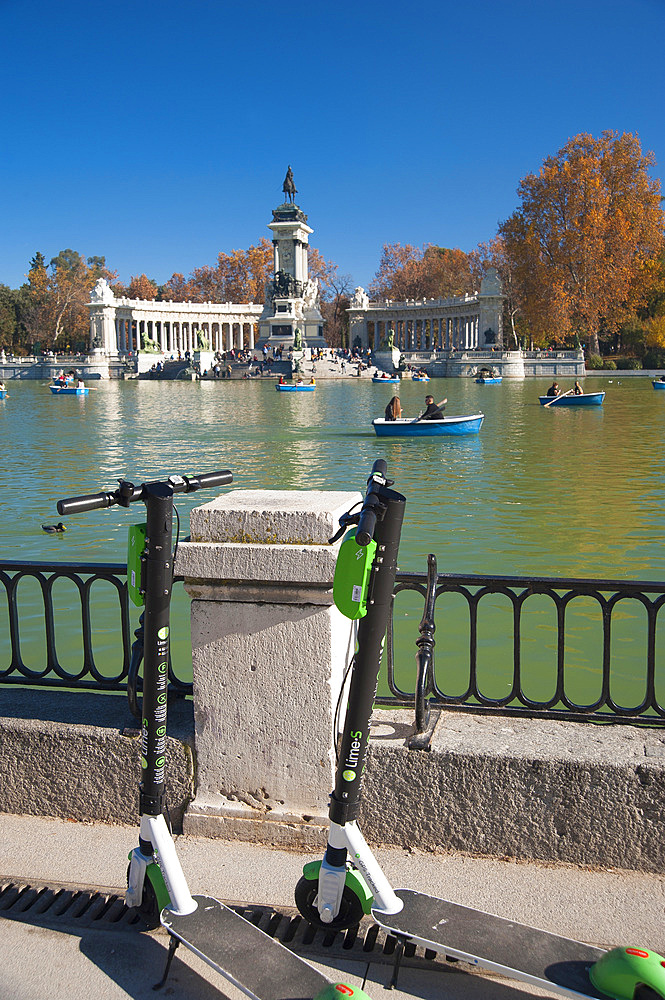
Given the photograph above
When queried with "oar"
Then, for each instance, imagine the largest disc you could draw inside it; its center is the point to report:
(444, 400)
(554, 398)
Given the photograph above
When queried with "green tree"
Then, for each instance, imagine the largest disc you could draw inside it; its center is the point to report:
(8, 317)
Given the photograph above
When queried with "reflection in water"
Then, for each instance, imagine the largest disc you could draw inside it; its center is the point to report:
(557, 491)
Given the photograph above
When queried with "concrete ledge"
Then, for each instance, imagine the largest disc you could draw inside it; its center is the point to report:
(77, 756)
(523, 788)
(236, 821)
(526, 789)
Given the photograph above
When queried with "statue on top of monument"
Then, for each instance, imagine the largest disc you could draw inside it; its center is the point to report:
(288, 187)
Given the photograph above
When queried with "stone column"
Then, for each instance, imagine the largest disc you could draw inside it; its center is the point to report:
(269, 651)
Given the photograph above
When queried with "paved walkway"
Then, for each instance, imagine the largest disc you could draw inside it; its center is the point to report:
(37, 963)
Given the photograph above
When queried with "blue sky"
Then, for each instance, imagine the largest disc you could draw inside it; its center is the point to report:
(158, 134)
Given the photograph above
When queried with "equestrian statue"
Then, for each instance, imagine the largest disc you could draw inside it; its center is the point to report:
(288, 187)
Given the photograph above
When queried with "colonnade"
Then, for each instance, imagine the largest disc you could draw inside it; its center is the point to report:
(441, 333)
(121, 325)
(177, 336)
(460, 323)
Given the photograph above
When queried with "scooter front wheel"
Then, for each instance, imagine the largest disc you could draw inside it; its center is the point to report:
(350, 910)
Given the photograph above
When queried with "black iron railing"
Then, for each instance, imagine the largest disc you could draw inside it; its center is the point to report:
(54, 672)
(605, 596)
(429, 687)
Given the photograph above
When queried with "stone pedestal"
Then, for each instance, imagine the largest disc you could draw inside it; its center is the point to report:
(269, 651)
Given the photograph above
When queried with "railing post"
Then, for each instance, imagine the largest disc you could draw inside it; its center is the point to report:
(269, 650)
(425, 655)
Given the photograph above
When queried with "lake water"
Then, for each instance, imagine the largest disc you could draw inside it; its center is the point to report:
(559, 491)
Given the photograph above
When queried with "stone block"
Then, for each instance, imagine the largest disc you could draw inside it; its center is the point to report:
(293, 517)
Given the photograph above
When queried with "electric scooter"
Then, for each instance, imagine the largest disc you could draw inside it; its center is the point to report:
(259, 965)
(336, 892)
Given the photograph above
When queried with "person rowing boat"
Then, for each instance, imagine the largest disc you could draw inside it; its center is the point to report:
(433, 411)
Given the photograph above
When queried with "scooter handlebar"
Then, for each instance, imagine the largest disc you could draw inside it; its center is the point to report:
(209, 479)
(77, 505)
(127, 493)
(371, 503)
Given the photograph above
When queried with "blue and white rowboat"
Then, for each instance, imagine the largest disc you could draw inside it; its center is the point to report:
(657, 384)
(282, 387)
(69, 390)
(385, 381)
(582, 399)
(428, 428)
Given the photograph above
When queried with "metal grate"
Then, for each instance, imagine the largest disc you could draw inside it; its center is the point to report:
(77, 907)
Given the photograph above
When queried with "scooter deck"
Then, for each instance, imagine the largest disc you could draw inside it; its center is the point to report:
(254, 962)
(493, 943)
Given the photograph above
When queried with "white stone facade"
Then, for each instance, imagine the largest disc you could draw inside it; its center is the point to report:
(463, 323)
(120, 326)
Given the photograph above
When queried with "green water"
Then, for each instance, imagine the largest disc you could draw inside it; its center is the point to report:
(560, 492)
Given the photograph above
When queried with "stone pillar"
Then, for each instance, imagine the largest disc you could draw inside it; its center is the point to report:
(269, 651)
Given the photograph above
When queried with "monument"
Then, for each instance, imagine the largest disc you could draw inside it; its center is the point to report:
(291, 315)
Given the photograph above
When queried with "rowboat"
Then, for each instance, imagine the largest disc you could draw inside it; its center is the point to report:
(582, 399)
(283, 387)
(420, 378)
(428, 428)
(387, 381)
(489, 379)
(69, 390)
(658, 384)
(3, 393)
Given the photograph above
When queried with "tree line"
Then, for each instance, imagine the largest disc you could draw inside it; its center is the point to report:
(582, 260)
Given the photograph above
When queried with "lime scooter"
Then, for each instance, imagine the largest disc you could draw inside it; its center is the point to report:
(335, 893)
(259, 965)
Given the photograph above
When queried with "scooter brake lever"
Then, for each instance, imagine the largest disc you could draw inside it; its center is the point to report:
(344, 522)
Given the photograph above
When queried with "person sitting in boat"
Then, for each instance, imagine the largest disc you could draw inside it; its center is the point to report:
(282, 380)
(2, 386)
(433, 411)
(394, 409)
(80, 384)
(578, 390)
(554, 389)
(312, 381)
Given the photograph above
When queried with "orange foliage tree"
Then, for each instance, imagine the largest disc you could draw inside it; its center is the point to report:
(54, 301)
(142, 287)
(409, 272)
(239, 276)
(583, 246)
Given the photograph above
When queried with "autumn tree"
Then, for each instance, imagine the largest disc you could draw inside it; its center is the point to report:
(178, 289)
(585, 240)
(239, 276)
(53, 304)
(409, 272)
(334, 290)
(142, 287)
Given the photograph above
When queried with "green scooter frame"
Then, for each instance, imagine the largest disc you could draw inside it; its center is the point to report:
(348, 882)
